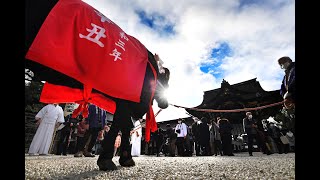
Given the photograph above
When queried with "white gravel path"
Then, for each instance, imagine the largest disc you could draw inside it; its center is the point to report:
(241, 166)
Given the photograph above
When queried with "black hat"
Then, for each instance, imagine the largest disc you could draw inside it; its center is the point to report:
(284, 59)
(204, 119)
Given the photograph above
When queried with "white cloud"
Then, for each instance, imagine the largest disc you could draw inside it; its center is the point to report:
(258, 34)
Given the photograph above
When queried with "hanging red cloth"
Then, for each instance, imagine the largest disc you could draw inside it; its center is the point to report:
(77, 40)
(151, 124)
(52, 93)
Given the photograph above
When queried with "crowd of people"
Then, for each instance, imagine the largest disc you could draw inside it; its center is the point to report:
(203, 137)
(206, 137)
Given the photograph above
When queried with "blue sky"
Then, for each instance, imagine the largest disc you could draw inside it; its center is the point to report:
(203, 42)
(154, 21)
(216, 59)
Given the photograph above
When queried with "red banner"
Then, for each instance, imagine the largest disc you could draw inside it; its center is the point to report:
(52, 93)
(79, 41)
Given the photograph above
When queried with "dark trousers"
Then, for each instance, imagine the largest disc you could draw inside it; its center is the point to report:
(159, 145)
(80, 143)
(188, 146)
(286, 148)
(250, 142)
(197, 147)
(121, 122)
(91, 134)
(226, 140)
(180, 146)
(63, 142)
(151, 147)
(205, 148)
(260, 142)
(217, 147)
(172, 147)
(279, 144)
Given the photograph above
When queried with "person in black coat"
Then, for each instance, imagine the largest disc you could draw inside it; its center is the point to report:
(254, 130)
(288, 86)
(65, 134)
(171, 138)
(204, 136)
(225, 129)
(195, 135)
(159, 138)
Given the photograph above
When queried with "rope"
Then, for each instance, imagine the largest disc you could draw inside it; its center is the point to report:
(229, 110)
(143, 123)
(214, 110)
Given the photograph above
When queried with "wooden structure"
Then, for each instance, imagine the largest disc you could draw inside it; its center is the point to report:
(247, 94)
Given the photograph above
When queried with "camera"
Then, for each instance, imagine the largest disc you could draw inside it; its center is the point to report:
(178, 131)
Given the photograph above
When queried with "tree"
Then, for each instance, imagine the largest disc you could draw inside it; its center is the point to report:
(33, 89)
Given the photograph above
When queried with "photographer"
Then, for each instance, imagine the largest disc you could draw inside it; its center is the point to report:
(96, 118)
(251, 127)
(181, 131)
(171, 137)
(81, 130)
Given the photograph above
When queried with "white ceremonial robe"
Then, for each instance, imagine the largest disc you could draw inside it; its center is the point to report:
(41, 141)
(136, 140)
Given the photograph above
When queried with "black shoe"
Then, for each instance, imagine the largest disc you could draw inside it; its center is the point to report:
(126, 159)
(250, 155)
(78, 154)
(106, 164)
(88, 154)
(127, 163)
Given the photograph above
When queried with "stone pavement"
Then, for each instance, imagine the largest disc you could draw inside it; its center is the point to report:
(240, 166)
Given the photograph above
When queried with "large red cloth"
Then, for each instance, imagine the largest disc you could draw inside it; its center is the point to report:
(77, 40)
(52, 93)
(151, 124)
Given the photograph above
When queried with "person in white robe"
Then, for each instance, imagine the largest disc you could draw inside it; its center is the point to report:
(136, 139)
(47, 119)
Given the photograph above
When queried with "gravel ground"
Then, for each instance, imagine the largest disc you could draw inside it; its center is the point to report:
(240, 166)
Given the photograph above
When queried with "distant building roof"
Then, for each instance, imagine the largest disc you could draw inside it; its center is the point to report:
(246, 94)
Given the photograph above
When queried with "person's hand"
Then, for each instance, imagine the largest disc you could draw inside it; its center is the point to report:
(71, 124)
(38, 122)
(117, 142)
(287, 95)
(107, 128)
(156, 57)
(288, 103)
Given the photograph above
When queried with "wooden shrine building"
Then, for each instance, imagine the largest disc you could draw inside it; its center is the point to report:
(247, 94)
